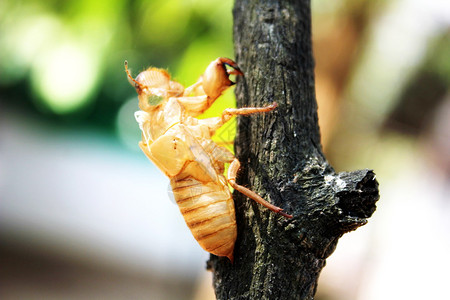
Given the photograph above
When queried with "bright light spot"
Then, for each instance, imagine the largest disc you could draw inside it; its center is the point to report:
(64, 77)
(22, 41)
(340, 183)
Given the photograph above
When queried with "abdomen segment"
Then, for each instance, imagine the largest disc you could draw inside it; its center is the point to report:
(208, 210)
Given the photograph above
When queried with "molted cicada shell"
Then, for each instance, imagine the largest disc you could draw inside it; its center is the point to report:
(180, 146)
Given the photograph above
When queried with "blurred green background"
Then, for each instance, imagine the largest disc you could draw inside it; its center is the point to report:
(63, 60)
(83, 214)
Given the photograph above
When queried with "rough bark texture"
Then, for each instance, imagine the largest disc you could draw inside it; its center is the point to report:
(281, 155)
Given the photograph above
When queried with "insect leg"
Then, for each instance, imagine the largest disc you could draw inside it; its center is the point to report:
(228, 113)
(194, 89)
(195, 105)
(231, 63)
(234, 72)
(215, 123)
(232, 171)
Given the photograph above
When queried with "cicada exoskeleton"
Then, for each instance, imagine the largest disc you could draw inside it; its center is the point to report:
(180, 145)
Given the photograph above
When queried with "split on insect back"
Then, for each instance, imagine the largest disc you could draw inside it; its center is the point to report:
(180, 145)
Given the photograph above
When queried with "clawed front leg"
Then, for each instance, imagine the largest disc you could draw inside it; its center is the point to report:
(216, 79)
(210, 86)
(194, 90)
(232, 171)
(195, 105)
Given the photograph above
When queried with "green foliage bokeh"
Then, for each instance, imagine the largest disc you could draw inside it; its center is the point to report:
(64, 60)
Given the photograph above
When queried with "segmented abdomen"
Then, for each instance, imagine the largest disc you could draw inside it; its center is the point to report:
(208, 210)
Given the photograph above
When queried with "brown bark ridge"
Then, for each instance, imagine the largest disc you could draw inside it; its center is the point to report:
(282, 160)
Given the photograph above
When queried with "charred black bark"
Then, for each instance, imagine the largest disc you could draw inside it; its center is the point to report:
(281, 155)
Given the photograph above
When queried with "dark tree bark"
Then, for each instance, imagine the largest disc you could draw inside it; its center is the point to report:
(282, 160)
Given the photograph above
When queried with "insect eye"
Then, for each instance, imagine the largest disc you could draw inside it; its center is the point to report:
(154, 100)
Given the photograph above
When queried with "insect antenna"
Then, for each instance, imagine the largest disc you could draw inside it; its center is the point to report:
(137, 83)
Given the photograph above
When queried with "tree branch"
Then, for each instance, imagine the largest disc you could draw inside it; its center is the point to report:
(277, 258)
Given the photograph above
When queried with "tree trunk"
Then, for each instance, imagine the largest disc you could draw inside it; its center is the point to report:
(282, 160)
